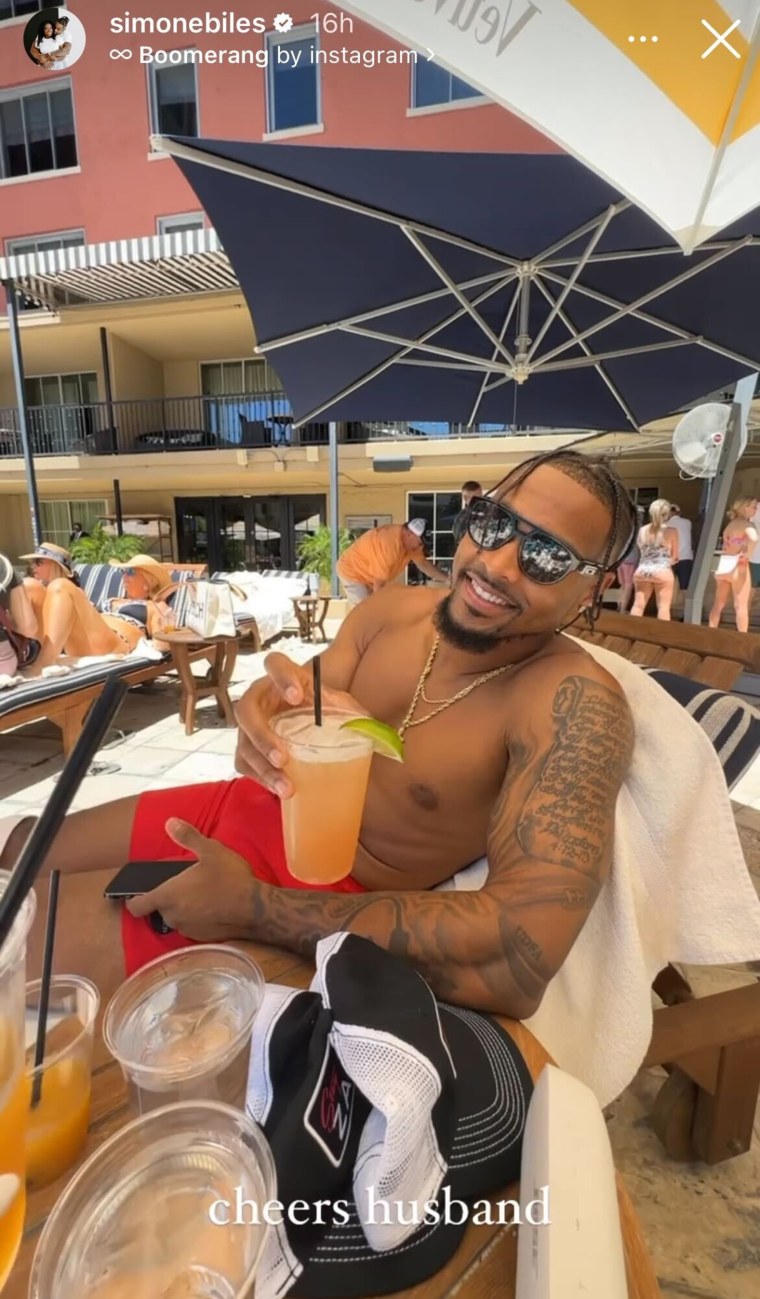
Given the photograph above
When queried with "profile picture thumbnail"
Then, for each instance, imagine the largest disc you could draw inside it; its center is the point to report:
(54, 40)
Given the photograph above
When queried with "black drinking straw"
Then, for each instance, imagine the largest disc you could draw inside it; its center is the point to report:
(41, 839)
(47, 974)
(317, 667)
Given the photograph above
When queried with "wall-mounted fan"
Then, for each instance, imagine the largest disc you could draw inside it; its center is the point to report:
(699, 438)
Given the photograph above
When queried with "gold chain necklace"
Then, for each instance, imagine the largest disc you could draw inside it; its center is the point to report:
(443, 703)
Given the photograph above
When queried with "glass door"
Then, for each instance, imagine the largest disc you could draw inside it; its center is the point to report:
(237, 533)
(195, 530)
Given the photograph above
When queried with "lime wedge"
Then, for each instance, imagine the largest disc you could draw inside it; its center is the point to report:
(385, 741)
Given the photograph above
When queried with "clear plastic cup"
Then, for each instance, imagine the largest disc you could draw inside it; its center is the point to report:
(57, 1123)
(181, 1027)
(173, 1206)
(329, 770)
(13, 1106)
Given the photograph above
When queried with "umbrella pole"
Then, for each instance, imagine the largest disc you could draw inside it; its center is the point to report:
(720, 488)
(334, 511)
(17, 361)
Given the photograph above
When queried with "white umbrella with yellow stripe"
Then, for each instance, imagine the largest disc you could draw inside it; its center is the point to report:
(660, 97)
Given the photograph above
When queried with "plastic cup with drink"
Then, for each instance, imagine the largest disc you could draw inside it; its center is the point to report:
(330, 754)
(58, 1089)
(173, 1205)
(13, 1096)
(181, 1027)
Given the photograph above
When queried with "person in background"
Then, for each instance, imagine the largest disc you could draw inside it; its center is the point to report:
(685, 546)
(77, 532)
(18, 624)
(754, 554)
(732, 576)
(627, 567)
(70, 624)
(381, 555)
(658, 552)
(470, 491)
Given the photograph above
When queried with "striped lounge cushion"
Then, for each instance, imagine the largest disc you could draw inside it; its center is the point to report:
(101, 582)
(732, 726)
(41, 689)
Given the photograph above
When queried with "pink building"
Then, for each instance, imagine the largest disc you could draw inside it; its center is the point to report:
(75, 157)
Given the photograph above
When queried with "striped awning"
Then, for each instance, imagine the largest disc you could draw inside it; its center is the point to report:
(123, 270)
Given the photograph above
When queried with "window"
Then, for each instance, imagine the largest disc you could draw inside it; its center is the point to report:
(58, 518)
(173, 91)
(231, 378)
(293, 98)
(61, 389)
(439, 510)
(36, 130)
(432, 86)
(358, 524)
(179, 225)
(45, 244)
(15, 8)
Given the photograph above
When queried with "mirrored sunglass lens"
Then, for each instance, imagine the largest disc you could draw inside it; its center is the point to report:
(489, 526)
(544, 559)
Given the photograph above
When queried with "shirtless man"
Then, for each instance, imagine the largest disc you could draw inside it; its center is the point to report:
(517, 743)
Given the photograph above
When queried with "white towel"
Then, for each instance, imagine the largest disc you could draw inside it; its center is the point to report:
(679, 890)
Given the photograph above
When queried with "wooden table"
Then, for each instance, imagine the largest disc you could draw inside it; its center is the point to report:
(222, 652)
(311, 611)
(485, 1263)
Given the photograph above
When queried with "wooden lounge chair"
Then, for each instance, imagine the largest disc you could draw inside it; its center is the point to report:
(65, 701)
(709, 1046)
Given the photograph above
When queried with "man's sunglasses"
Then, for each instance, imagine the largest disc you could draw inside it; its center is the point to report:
(542, 557)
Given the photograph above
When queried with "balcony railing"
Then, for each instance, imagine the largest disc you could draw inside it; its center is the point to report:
(196, 423)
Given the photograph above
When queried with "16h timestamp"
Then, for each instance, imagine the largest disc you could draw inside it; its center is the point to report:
(334, 22)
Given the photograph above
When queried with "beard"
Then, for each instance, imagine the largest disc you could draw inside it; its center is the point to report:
(472, 642)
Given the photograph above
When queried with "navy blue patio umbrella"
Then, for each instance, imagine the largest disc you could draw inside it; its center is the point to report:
(510, 289)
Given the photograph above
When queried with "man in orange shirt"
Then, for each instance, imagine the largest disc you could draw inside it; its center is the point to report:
(380, 556)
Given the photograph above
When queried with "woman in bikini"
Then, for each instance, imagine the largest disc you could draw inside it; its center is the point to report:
(69, 624)
(658, 552)
(732, 576)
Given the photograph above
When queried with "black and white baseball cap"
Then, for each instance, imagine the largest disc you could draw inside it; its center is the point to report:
(383, 1109)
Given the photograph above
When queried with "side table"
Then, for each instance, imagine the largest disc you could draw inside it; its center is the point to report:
(186, 646)
(311, 611)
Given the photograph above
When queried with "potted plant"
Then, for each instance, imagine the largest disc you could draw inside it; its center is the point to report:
(100, 547)
(315, 554)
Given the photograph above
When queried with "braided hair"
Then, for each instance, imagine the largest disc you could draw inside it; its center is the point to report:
(596, 474)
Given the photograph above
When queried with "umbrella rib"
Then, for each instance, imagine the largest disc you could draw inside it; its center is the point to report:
(410, 345)
(567, 322)
(668, 326)
(164, 144)
(640, 254)
(413, 237)
(580, 266)
(302, 335)
(725, 135)
(502, 332)
(393, 360)
(585, 229)
(579, 363)
(628, 309)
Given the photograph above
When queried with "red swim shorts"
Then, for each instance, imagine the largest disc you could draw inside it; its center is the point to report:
(239, 813)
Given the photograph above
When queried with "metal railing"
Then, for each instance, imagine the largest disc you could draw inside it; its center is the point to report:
(246, 420)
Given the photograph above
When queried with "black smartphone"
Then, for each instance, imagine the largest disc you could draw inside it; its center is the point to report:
(139, 877)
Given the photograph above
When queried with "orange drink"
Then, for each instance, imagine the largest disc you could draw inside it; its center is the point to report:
(59, 1104)
(12, 1087)
(329, 770)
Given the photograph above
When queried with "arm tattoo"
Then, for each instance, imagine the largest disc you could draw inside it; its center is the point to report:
(550, 847)
(566, 817)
